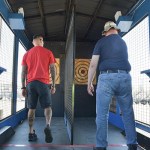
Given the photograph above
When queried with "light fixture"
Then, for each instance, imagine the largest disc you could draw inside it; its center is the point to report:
(123, 22)
(21, 11)
(16, 20)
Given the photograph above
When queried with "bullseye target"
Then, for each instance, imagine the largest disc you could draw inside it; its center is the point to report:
(57, 68)
(81, 71)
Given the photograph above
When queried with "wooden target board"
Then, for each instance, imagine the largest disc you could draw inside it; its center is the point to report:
(81, 71)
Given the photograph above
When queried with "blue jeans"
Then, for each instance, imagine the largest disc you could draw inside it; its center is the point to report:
(118, 85)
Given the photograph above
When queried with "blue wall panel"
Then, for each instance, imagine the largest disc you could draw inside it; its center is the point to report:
(4, 11)
(115, 119)
(137, 14)
(14, 120)
(17, 117)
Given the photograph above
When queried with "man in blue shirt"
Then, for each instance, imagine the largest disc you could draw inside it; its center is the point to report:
(114, 80)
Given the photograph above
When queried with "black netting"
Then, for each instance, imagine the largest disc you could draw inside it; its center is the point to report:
(69, 78)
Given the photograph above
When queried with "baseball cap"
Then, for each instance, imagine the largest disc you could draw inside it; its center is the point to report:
(108, 25)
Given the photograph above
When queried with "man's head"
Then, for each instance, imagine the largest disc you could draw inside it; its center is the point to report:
(110, 28)
(38, 40)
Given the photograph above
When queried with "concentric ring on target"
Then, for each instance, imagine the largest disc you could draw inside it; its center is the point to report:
(81, 71)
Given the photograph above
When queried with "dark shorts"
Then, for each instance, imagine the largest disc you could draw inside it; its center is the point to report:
(37, 90)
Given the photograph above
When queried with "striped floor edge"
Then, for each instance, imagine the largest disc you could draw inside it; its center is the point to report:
(59, 145)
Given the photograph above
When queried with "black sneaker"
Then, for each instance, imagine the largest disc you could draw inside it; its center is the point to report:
(48, 135)
(132, 146)
(32, 137)
(99, 148)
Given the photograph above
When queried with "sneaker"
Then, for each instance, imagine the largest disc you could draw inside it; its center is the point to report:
(99, 148)
(32, 137)
(132, 146)
(48, 135)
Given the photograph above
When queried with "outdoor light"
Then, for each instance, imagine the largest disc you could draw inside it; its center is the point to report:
(123, 22)
(16, 20)
(21, 11)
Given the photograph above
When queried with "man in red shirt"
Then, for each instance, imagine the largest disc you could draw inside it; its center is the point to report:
(37, 64)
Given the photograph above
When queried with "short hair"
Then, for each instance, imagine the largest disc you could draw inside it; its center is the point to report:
(37, 36)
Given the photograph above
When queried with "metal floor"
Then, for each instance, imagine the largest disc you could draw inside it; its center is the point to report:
(84, 136)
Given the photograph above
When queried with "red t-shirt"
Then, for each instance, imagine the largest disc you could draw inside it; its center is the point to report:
(38, 60)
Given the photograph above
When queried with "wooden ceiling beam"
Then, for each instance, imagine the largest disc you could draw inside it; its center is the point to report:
(69, 6)
(62, 13)
(90, 25)
(91, 16)
(56, 13)
(40, 5)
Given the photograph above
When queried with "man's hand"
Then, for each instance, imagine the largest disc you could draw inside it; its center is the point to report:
(24, 92)
(53, 90)
(90, 89)
(91, 73)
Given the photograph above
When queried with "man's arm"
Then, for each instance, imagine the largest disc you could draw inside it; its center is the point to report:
(53, 76)
(23, 79)
(91, 73)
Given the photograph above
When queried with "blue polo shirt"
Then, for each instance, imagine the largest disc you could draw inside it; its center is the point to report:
(113, 53)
